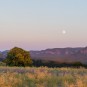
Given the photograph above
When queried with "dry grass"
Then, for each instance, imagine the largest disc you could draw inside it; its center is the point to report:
(42, 77)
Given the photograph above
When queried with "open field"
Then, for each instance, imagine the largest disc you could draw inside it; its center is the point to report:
(42, 77)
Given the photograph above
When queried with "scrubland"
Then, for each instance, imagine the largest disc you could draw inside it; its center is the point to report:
(42, 77)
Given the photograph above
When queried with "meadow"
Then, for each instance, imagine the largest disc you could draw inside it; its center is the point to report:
(42, 77)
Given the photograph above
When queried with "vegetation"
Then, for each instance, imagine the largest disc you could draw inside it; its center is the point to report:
(2, 64)
(18, 57)
(38, 63)
(42, 77)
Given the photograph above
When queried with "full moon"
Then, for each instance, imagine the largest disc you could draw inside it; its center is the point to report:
(63, 32)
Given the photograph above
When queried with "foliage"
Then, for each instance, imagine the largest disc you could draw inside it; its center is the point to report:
(77, 64)
(49, 63)
(18, 57)
(2, 64)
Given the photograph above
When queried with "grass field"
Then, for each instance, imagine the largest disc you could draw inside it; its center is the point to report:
(42, 77)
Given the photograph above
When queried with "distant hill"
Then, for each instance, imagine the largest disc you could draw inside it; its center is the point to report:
(63, 55)
(3, 54)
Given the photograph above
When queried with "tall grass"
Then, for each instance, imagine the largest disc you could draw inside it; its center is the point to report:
(42, 77)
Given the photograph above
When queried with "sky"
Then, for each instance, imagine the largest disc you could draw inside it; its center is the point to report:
(42, 24)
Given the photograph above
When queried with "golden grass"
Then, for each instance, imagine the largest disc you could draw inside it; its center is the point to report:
(42, 77)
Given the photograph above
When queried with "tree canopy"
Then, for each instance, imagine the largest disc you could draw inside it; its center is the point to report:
(18, 57)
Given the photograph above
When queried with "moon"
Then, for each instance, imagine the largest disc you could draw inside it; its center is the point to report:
(63, 31)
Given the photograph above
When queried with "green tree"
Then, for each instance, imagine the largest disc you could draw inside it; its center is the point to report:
(18, 57)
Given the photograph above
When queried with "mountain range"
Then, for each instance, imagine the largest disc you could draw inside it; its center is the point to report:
(63, 55)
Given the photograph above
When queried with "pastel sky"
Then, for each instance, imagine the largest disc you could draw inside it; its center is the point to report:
(39, 24)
